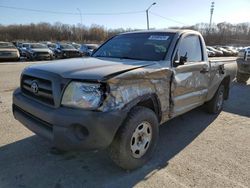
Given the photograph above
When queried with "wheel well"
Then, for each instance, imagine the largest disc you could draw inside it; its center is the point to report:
(226, 83)
(153, 104)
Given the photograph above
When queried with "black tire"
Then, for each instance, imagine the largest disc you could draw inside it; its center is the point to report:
(215, 105)
(120, 149)
(242, 78)
(29, 58)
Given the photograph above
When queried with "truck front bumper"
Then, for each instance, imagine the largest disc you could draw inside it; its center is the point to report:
(67, 128)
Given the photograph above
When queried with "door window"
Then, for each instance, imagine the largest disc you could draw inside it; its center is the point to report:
(190, 47)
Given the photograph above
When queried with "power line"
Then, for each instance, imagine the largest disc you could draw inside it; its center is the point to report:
(169, 19)
(68, 13)
(36, 10)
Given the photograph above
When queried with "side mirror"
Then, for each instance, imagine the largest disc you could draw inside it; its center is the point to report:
(246, 55)
(183, 59)
(179, 60)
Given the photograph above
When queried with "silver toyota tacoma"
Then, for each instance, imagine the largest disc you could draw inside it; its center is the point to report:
(118, 97)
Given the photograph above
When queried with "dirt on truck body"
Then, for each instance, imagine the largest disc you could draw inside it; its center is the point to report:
(118, 97)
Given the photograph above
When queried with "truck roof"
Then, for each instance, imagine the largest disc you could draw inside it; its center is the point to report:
(177, 31)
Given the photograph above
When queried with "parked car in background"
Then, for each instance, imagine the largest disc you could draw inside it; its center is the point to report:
(8, 51)
(22, 47)
(210, 53)
(53, 47)
(87, 49)
(76, 45)
(218, 53)
(37, 51)
(68, 50)
(19, 47)
(225, 52)
(243, 62)
(231, 49)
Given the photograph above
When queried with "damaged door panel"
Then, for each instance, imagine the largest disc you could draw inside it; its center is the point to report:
(189, 88)
(191, 78)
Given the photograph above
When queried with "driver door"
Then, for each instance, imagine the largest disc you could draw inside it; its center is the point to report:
(191, 77)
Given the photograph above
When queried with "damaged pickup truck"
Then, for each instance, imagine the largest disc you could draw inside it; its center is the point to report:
(117, 98)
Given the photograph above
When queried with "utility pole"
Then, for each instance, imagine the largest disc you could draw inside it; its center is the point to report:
(147, 14)
(211, 15)
(80, 14)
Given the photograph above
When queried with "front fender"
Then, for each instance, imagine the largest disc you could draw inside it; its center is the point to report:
(129, 88)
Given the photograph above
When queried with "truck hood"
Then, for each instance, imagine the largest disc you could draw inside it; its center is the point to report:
(98, 69)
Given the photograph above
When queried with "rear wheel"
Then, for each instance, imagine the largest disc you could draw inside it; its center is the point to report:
(215, 105)
(242, 78)
(135, 141)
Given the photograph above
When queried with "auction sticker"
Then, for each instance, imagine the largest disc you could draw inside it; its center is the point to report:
(158, 37)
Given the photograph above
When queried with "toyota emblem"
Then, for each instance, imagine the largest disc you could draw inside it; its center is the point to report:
(34, 87)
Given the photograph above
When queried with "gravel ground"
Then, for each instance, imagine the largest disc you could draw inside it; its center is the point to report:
(194, 150)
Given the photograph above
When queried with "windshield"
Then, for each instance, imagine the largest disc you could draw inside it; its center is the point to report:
(141, 46)
(37, 45)
(67, 46)
(6, 45)
(76, 45)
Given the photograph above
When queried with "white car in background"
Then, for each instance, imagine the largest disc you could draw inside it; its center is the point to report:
(8, 51)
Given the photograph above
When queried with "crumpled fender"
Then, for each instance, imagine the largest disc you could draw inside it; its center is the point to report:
(132, 85)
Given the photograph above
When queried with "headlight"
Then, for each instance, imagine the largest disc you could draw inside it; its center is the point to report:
(82, 95)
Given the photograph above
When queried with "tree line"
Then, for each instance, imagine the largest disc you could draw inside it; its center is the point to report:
(219, 34)
(56, 32)
(224, 33)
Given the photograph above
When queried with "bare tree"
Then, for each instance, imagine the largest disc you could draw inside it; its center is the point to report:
(219, 34)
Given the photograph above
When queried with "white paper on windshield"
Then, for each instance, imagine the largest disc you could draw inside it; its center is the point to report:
(158, 37)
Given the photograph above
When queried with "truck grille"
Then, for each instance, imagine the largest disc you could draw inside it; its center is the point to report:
(38, 88)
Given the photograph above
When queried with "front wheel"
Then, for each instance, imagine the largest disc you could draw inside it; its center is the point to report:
(135, 141)
(215, 105)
